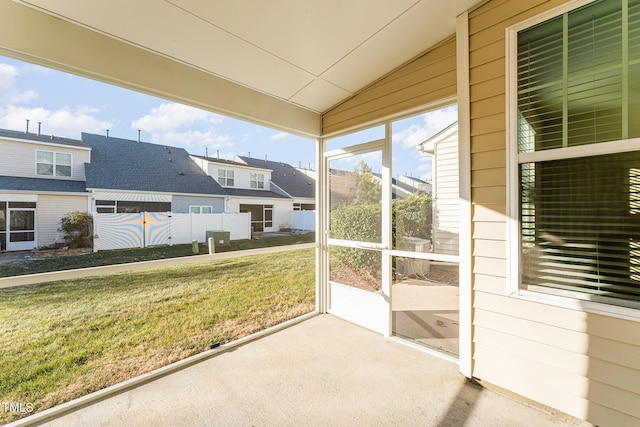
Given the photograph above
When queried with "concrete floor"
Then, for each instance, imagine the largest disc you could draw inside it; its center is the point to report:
(323, 371)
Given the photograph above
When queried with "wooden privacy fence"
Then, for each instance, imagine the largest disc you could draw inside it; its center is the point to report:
(140, 230)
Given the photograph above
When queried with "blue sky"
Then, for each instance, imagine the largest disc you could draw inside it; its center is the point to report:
(67, 105)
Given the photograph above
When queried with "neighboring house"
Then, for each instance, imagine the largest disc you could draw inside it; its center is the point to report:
(443, 149)
(130, 176)
(416, 183)
(250, 190)
(41, 180)
(287, 180)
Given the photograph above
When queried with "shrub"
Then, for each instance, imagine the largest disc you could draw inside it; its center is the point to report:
(360, 223)
(78, 229)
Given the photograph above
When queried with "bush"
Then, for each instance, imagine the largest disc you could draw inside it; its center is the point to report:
(360, 223)
(412, 217)
(78, 229)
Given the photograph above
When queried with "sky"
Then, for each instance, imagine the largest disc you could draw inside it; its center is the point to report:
(67, 105)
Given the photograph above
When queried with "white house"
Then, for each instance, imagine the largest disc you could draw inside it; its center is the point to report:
(249, 189)
(443, 148)
(41, 180)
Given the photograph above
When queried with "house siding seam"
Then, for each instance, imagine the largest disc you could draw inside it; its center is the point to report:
(425, 80)
(581, 363)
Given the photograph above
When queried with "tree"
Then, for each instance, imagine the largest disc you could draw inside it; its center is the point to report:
(368, 189)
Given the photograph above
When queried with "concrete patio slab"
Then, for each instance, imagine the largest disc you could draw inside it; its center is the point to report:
(323, 371)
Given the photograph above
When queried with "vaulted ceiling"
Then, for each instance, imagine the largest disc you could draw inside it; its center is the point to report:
(308, 53)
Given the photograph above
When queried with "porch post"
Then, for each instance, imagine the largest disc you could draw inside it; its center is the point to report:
(464, 153)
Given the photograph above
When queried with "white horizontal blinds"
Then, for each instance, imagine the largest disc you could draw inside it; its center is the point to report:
(572, 72)
(634, 68)
(540, 86)
(595, 74)
(579, 84)
(583, 233)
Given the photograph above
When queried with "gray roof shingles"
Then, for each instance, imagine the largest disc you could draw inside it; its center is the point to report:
(286, 177)
(14, 134)
(123, 164)
(13, 183)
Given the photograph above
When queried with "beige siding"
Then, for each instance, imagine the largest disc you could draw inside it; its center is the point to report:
(51, 209)
(19, 159)
(427, 79)
(585, 364)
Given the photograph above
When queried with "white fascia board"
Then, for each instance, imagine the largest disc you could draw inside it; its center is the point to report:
(48, 144)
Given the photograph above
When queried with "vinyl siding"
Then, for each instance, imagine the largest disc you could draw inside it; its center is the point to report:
(180, 204)
(585, 364)
(50, 209)
(19, 159)
(425, 80)
(447, 209)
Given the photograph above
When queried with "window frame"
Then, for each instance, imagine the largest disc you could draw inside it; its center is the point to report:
(579, 301)
(55, 164)
(256, 179)
(224, 180)
(201, 208)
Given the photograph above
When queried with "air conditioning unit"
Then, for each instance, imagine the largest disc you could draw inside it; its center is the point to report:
(220, 237)
(412, 267)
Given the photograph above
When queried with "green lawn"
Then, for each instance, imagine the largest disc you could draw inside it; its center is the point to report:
(63, 340)
(120, 256)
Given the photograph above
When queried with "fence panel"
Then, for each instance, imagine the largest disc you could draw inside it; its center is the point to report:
(121, 231)
(303, 220)
(156, 228)
(118, 231)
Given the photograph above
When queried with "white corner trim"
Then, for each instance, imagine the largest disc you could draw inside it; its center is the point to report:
(465, 361)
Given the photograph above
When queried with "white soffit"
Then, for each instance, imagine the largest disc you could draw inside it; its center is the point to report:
(310, 53)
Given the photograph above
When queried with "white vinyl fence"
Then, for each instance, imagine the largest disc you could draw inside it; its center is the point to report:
(139, 230)
(303, 220)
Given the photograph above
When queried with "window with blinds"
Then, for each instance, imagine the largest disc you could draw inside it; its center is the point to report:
(578, 79)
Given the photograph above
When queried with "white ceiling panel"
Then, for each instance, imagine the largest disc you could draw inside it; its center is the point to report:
(313, 35)
(309, 52)
(411, 34)
(320, 95)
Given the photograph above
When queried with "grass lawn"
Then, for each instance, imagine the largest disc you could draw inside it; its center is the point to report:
(121, 256)
(63, 340)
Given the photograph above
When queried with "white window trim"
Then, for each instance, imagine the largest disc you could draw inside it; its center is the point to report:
(55, 164)
(254, 179)
(514, 159)
(200, 208)
(226, 178)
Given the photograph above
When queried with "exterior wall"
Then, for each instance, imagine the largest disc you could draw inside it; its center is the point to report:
(446, 181)
(585, 364)
(50, 209)
(180, 204)
(425, 80)
(281, 209)
(241, 176)
(19, 159)
(282, 214)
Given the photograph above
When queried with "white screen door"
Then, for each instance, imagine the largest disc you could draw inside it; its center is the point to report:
(358, 242)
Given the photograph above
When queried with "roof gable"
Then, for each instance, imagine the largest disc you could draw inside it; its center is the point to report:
(285, 176)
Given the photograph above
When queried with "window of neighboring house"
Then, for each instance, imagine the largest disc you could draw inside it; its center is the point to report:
(53, 164)
(257, 180)
(577, 189)
(200, 209)
(106, 206)
(226, 178)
